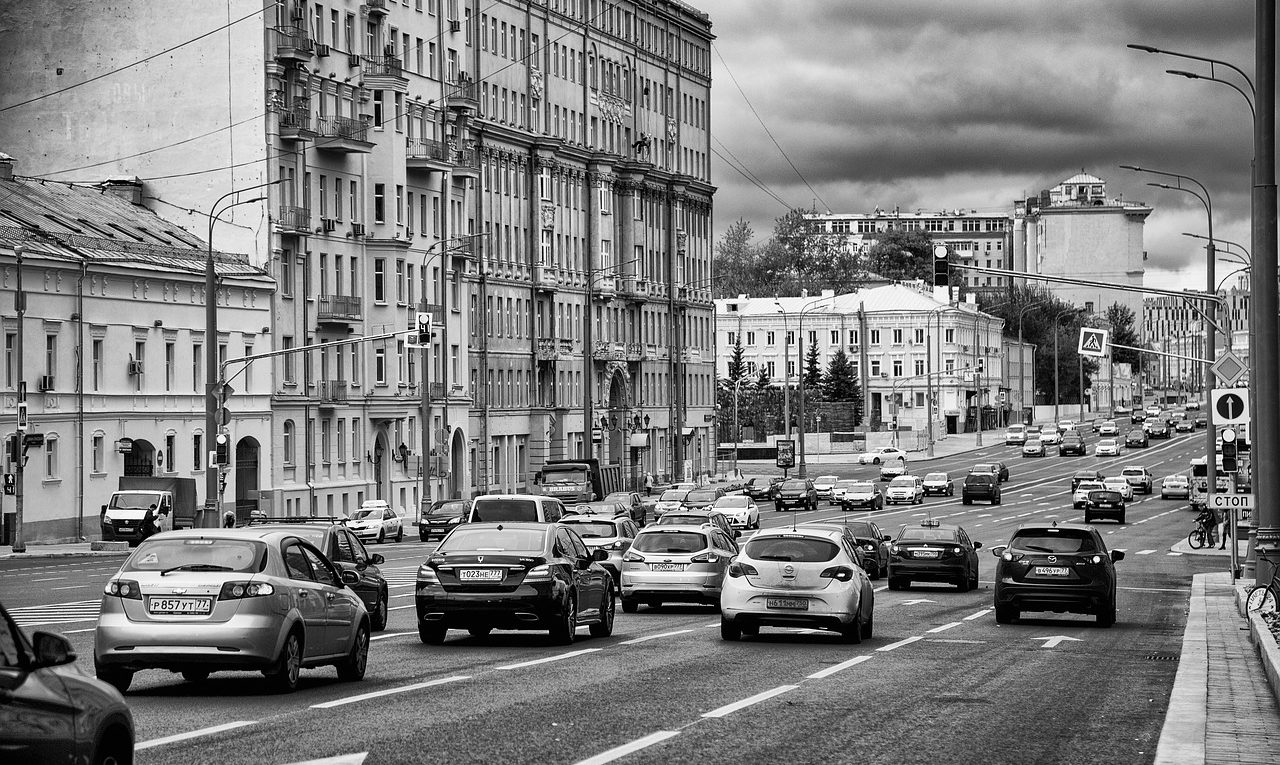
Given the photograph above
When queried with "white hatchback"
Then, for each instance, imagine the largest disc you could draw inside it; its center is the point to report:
(905, 488)
(741, 510)
(1080, 496)
(1121, 484)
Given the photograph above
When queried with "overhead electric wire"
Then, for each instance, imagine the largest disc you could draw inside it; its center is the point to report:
(766, 127)
(737, 164)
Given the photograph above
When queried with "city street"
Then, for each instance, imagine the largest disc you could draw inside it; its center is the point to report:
(940, 681)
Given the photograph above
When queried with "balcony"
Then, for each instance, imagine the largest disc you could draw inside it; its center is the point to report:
(436, 311)
(605, 350)
(691, 355)
(376, 8)
(462, 93)
(294, 220)
(426, 154)
(338, 309)
(436, 390)
(554, 349)
(635, 352)
(333, 392)
(545, 278)
(466, 162)
(606, 286)
(634, 289)
(343, 135)
(384, 73)
(293, 44)
(295, 122)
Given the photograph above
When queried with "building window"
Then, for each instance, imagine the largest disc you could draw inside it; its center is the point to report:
(325, 441)
(379, 202)
(171, 452)
(341, 439)
(51, 355)
(897, 337)
(50, 457)
(875, 368)
(95, 364)
(286, 443)
(897, 367)
(98, 452)
(197, 367)
(139, 351)
(287, 359)
(170, 353)
(379, 280)
(380, 366)
(949, 335)
(197, 452)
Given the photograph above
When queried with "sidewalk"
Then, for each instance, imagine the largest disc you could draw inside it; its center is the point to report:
(68, 550)
(944, 446)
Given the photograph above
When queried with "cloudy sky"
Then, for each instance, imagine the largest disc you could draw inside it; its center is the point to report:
(974, 103)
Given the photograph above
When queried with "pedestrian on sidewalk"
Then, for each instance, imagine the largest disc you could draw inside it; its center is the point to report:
(1224, 529)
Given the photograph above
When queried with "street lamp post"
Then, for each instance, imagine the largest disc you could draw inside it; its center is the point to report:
(811, 306)
(1059, 315)
(786, 377)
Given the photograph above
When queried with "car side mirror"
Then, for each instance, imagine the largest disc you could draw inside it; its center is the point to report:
(977, 545)
(599, 554)
(736, 534)
(998, 550)
(52, 649)
(1117, 555)
(377, 559)
(350, 577)
(886, 538)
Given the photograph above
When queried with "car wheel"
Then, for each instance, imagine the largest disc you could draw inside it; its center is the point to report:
(995, 501)
(382, 536)
(869, 625)
(1088, 518)
(875, 460)
(751, 630)
(566, 626)
(432, 634)
(1006, 614)
(604, 628)
(852, 632)
(283, 677)
(422, 537)
(479, 632)
(963, 582)
(115, 749)
(1121, 519)
(1107, 614)
(353, 666)
(729, 630)
(629, 606)
(897, 583)
(378, 618)
(195, 675)
(400, 534)
(117, 677)
(966, 501)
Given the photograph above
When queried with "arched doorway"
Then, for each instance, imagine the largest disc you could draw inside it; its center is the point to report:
(457, 455)
(141, 459)
(246, 488)
(615, 435)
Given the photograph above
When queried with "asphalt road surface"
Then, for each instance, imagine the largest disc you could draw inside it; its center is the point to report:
(940, 681)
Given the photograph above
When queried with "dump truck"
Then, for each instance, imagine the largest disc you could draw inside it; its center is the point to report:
(171, 503)
(580, 480)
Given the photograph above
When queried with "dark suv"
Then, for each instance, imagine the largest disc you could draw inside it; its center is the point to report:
(980, 486)
(1064, 568)
(1071, 443)
(1104, 503)
(440, 518)
(762, 488)
(797, 493)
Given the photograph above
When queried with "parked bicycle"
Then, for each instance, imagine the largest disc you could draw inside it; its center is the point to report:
(1202, 534)
(1263, 597)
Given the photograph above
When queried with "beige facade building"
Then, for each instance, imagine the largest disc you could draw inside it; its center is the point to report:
(533, 175)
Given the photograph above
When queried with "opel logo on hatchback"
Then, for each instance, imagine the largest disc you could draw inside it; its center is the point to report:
(788, 569)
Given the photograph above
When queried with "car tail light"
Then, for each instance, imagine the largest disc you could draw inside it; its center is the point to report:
(633, 557)
(742, 569)
(239, 590)
(427, 575)
(616, 545)
(839, 573)
(869, 548)
(539, 573)
(706, 557)
(1095, 559)
(126, 589)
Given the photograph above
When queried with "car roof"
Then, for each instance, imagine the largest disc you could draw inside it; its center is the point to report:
(1133, 467)
(519, 525)
(263, 532)
(534, 497)
(655, 528)
(1033, 527)
(580, 519)
(802, 529)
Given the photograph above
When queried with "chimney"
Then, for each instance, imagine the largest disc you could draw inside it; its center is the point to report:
(6, 167)
(128, 188)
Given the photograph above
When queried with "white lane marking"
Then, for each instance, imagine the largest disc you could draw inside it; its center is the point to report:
(984, 515)
(72, 587)
(50, 579)
(881, 588)
(954, 640)
(829, 671)
(389, 635)
(400, 608)
(356, 758)
(1051, 515)
(900, 643)
(389, 692)
(978, 615)
(1174, 555)
(1052, 641)
(72, 632)
(193, 734)
(1144, 552)
(402, 595)
(570, 655)
(729, 709)
(653, 637)
(943, 628)
(618, 752)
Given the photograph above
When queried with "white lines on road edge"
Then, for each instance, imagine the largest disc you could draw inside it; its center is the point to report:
(389, 692)
(943, 628)
(729, 709)
(978, 615)
(653, 637)
(389, 635)
(400, 608)
(569, 655)
(193, 734)
(619, 752)
(829, 671)
(900, 643)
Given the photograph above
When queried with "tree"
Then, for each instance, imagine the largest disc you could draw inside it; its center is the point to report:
(813, 367)
(737, 366)
(735, 262)
(903, 255)
(841, 381)
(763, 381)
(1121, 319)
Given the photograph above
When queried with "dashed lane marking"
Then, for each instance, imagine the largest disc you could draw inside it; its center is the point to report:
(193, 734)
(900, 643)
(978, 615)
(390, 691)
(1144, 552)
(559, 657)
(386, 635)
(943, 628)
(653, 637)
(729, 709)
(618, 752)
(829, 671)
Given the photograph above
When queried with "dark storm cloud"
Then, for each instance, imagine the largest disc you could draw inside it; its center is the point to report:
(973, 104)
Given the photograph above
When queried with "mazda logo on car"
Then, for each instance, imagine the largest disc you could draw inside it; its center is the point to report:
(1053, 559)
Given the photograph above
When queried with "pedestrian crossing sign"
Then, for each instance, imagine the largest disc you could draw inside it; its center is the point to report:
(1093, 342)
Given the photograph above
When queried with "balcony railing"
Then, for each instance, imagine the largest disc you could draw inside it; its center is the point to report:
(436, 311)
(295, 122)
(296, 219)
(381, 66)
(376, 7)
(338, 308)
(427, 148)
(333, 391)
(462, 92)
(437, 391)
(635, 351)
(294, 43)
(466, 159)
(343, 134)
(554, 348)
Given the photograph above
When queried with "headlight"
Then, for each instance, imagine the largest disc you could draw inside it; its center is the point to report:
(106, 517)
(869, 548)
(456, 520)
(895, 549)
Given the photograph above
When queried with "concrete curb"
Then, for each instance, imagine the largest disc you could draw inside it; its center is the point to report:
(1268, 651)
(1182, 737)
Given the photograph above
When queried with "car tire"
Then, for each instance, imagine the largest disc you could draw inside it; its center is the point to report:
(995, 501)
(1121, 519)
(897, 583)
(729, 630)
(283, 677)
(852, 632)
(400, 534)
(432, 634)
(1088, 518)
(382, 536)
(352, 667)
(115, 748)
(1107, 614)
(604, 627)
(868, 627)
(378, 618)
(751, 630)
(973, 582)
(1006, 614)
(566, 627)
(422, 537)
(962, 583)
(116, 677)
(875, 460)
(966, 501)
(629, 606)
(195, 675)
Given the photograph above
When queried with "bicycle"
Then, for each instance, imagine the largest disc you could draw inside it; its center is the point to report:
(1263, 597)
(1202, 534)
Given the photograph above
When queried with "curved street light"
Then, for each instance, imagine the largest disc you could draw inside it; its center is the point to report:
(1193, 76)
(813, 305)
(1212, 62)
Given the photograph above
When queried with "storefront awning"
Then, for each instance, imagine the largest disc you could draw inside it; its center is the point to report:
(639, 441)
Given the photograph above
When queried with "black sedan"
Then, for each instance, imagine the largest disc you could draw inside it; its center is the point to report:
(1136, 439)
(1064, 567)
(1157, 429)
(999, 469)
(341, 546)
(763, 488)
(933, 552)
(1085, 474)
(874, 544)
(441, 517)
(514, 576)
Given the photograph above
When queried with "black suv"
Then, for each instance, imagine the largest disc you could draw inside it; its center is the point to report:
(933, 552)
(797, 493)
(1071, 443)
(442, 517)
(980, 486)
(1104, 503)
(1136, 439)
(1064, 568)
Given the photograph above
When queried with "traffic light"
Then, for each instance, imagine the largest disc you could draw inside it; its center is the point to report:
(222, 450)
(221, 397)
(1229, 462)
(22, 416)
(12, 449)
(941, 266)
(423, 329)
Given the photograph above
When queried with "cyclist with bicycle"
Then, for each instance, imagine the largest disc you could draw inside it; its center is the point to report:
(1202, 534)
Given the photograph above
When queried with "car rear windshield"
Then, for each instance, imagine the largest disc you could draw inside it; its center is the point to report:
(1104, 496)
(824, 479)
(903, 480)
(926, 534)
(670, 542)
(242, 555)
(860, 529)
(515, 541)
(673, 519)
(737, 500)
(862, 487)
(674, 495)
(792, 549)
(593, 530)
(937, 477)
(1054, 541)
(703, 495)
(516, 510)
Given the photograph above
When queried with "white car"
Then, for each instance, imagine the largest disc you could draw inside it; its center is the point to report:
(1109, 428)
(842, 486)
(1050, 436)
(1080, 497)
(671, 499)
(1175, 486)
(1107, 447)
(823, 485)
(1138, 477)
(883, 454)
(376, 521)
(741, 510)
(1154, 411)
(905, 488)
(1121, 484)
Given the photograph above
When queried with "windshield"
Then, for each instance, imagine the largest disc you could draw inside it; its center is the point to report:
(514, 541)
(593, 529)
(1054, 541)
(849, 484)
(861, 488)
(732, 502)
(140, 501)
(1104, 496)
(794, 486)
(926, 534)
(792, 549)
(598, 508)
(861, 529)
(901, 481)
(367, 514)
(618, 496)
(702, 495)
(242, 555)
(674, 495)
(1087, 486)
(575, 475)
(505, 510)
(670, 542)
(827, 479)
(450, 509)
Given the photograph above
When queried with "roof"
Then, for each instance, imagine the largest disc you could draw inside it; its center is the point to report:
(1083, 177)
(890, 298)
(89, 223)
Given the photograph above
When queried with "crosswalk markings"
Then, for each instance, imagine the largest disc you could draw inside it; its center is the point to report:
(56, 613)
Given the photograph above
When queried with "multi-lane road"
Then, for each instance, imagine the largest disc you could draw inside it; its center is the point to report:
(939, 682)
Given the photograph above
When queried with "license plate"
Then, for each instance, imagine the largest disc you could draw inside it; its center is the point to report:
(926, 553)
(794, 603)
(1052, 571)
(481, 574)
(666, 566)
(179, 605)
